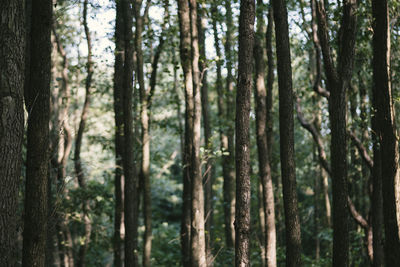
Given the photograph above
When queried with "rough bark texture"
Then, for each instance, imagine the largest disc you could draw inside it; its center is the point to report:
(387, 133)
(338, 81)
(228, 140)
(12, 45)
(292, 222)
(245, 70)
(78, 143)
(209, 170)
(119, 131)
(131, 179)
(260, 95)
(185, 54)
(37, 100)
(198, 242)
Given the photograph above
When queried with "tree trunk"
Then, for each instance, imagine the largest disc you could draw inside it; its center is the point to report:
(37, 100)
(262, 139)
(119, 132)
(144, 175)
(78, 143)
(292, 222)
(12, 58)
(245, 73)
(64, 148)
(387, 134)
(185, 53)
(197, 235)
(338, 81)
(228, 141)
(131, 180)
(209, 170)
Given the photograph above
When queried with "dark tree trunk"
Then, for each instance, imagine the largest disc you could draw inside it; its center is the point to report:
(228, 140)
(78, 143)
(198, 242)
(119, 132)
(185, 53)
(260, 95)
(131, 179)
(338, 81)
(37, 100)
(292, 222)
(245, 71)
(387, 133)
(12, 56)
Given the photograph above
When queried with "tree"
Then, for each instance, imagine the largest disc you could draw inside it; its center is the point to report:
(243, 96)
(78, 141)
(12, 43)
(288, 169)
(228, 140)
(131, 179)
(208, 179)
(197, 235)
(119, 132)
(338, 81)
(185, 54)
(384, 123)
(260, 98)
(37, 100)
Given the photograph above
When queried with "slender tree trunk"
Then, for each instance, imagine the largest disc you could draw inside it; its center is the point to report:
(209, 170)
(131, 179)
(198, 242)
(318, 89)
(145, 136)
(377, 198)
(262, 136)
(245, 71)
(119, 131)
(228, 141)
(78, 143)
(37, 100)
(12, 58)
(292, 222)
(387, 134)
(65, 146)
(185, 53)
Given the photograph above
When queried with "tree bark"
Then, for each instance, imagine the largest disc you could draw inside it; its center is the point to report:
(119, 132)
(228, 141)
(197, 235)
(292, 222)
(12, 59)
(131, 179)
(387, 133)
(185, 54)
(78, 143)
(338, 81)
(64, 149)
(245, 71)
(209, 170)
(37, 100)
(260, 95)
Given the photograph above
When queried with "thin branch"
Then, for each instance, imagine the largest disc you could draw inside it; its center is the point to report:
(361, 149)
(356, 215)
(316, 136)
